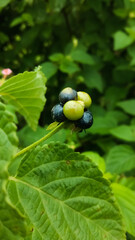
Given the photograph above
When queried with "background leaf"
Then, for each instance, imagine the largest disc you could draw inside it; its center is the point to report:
(121, 40)
(126, 200)
(63, 194)
(120, 159)
(128, 106)
(97, 159)
(49, 69)
(126, 133)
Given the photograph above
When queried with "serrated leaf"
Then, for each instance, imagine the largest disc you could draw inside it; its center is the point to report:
(8, 137)
(122, 40)
(49, 69)
(12, 224)
(97, 159)
(120, 159)
(80, 56)
(26, 92)
(126, 200)
(64, 196)
(128, 106)
(124, 132)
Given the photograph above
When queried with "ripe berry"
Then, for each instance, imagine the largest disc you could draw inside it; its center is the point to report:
(86, 121)
(57, 113)
(67, 94)
(85, 97)
(73, 110)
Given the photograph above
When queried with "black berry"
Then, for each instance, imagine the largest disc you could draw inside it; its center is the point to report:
(86, 121)
(67, 94)
(57, 113)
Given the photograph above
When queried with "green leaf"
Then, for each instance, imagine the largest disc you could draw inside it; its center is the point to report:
(124, 132)
(64, 196)
(122, 40)
(118, 115)
(12, 223)
(4, 3)
(8, 137)
(102, 125)
(26, 92)
(128, 182)
(128, 106)
(126, 200)
(120, 159)
(56, 57)
(97, 159)
(82, 57)
(67, 66)
(57, 5)
(49, 69)
(93, 79)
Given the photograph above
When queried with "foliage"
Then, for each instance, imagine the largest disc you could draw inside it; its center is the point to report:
(52, 192)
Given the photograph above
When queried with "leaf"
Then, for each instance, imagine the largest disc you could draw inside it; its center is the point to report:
(26, 92)
(4, 3)
(49, 69)
(118, 115)
(64, 196)
(124, 132)
(97, 159)
(57, 5)
(12, 224)
(126, 200)
(128, 106)
(122, 40)
(93, 79)
(120, 159)
(67, 66)
(80, 56)
(8, 137)
(102, 125)
(128, 182)
(56, 57)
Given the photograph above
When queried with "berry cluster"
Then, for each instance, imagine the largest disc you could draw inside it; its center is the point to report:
(74, 107)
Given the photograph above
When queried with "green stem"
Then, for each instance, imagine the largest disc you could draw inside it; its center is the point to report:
(40, 140)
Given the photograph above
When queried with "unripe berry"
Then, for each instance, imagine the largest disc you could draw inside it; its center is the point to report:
(67, 94)
(57, 113)
(73, 110)
(85, 97)
(86, 121)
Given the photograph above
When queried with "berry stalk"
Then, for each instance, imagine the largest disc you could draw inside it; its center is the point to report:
(56, 129)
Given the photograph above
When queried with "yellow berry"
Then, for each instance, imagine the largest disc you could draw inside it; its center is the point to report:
(85, 97)
(73, 110)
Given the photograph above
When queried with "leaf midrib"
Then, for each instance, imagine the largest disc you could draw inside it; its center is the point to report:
(11, 178)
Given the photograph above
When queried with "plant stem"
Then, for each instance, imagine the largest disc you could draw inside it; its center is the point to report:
(40, 140)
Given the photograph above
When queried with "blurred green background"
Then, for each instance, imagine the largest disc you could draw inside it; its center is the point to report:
(85, 44)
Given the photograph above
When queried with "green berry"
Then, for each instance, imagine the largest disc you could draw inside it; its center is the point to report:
(67, 94)
(73, 110)
(85, 97)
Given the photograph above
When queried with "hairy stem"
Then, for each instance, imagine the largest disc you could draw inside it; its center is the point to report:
(40, 140)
